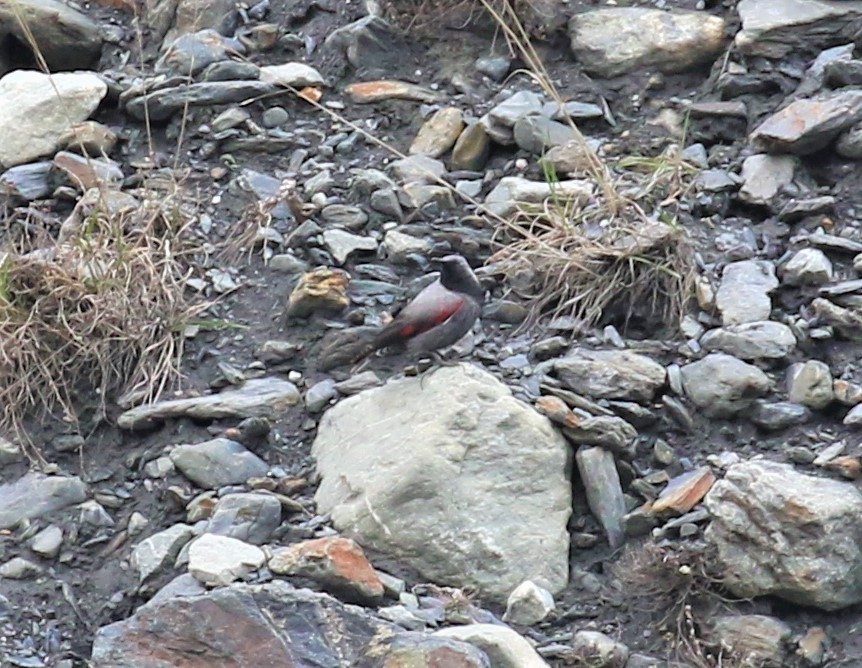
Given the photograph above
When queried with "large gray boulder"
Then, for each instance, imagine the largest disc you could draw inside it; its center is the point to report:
(782, 533)
(452, 475)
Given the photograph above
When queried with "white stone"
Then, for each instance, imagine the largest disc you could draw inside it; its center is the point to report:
(219, 560)
(298, 75)
(528, 604)
(504, 647)
(809, 266)
(36, 111)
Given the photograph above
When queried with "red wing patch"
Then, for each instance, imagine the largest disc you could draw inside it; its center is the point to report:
(439, 316)
(444, 314)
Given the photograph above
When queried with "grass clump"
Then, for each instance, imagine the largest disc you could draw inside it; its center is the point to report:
(577, 264)
(99, 312)
(681, 586)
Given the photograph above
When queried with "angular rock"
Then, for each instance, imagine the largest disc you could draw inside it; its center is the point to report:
(66, 38)
(322, 289)
(684, 492)
(515, 107)
(743, 295)
(605, 498)
(219, 560)
(439, 133)
(611, 374)
(273, 624)
(610, 42)
(251, 518)
(216, 463)
(775, 28)
(809, 266)
(536, 134)
(37, 495)
(189, 54)
(513, 191)
(528, 604)
(779, 532)
(344, 215)
(27, 182)
(808, 125)
(752, 340)
(722, 385)
(608, 431)
(504, 647)
(158, 552)
(257, 397)
(297, 75)
(47, 542)
(437, 506)
(419, 169)
(37, 109)
(343, 244)
(764, 176)
(171, 18)
(810, 384)
(336, 563)
(779, 415)
(471, 149)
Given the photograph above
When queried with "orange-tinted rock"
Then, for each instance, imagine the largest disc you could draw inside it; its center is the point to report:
(684, 492)
(365, 92)
(323, 289)
(337, 564)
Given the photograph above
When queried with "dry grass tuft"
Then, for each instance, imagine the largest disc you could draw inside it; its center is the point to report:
(100, 312)
(683, 587)
(605, 257)
(580, 265)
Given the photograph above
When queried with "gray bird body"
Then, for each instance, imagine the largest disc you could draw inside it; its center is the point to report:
(439, 315)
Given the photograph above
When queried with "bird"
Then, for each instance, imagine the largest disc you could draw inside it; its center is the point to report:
(440, 314)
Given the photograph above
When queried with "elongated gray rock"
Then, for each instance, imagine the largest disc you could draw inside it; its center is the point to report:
(752, 340)
(258, 397)
(782, 533)
(604, 492)
(454, 476)
(37, 495)
(611, 374)
(162, 104)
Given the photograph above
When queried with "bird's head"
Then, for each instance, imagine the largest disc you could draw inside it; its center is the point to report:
(456, 275)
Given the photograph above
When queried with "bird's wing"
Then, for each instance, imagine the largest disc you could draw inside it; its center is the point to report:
(434, 305)
(450, 330)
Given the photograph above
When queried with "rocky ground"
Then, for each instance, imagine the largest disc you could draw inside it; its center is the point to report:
(659, 471)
